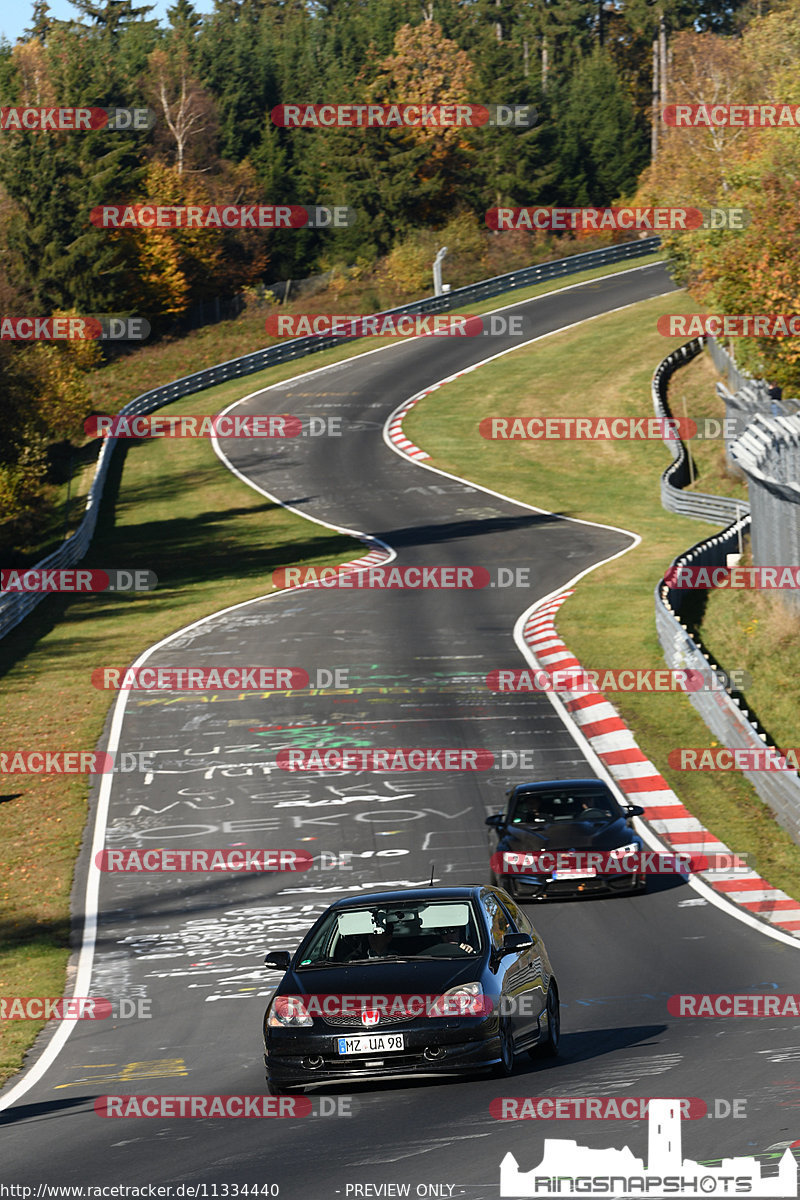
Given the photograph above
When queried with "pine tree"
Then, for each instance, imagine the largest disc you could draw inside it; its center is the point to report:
(600, 149)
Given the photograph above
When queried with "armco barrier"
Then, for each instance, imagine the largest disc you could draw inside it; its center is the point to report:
(700, 505)
(723, 713)
(13, 608)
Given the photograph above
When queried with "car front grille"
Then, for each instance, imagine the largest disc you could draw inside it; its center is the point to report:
(353, 1021)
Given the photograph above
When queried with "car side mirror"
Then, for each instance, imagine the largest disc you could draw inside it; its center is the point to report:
(278, 959)
(634, 810)
(514, 942)
(497, 820)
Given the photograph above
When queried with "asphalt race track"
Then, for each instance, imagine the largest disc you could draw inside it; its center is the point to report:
(189, 948)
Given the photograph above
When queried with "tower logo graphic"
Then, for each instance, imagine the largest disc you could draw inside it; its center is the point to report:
(569, 1169)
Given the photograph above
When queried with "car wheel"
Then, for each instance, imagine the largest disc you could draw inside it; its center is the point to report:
(506, 1064)
(549, 1047)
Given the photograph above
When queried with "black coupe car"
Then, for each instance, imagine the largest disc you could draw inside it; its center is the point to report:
(563, 818)
(428, 981)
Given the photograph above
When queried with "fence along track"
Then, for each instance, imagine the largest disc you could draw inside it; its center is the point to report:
(723, 711)
(16, 606)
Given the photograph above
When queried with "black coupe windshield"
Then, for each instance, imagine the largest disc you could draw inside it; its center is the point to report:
(422, 929)
(563, 804)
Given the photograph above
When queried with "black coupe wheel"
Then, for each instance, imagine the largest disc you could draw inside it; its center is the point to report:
(549, 1047)
(506, 1064)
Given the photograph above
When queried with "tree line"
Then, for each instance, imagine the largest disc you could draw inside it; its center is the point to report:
(596, 71)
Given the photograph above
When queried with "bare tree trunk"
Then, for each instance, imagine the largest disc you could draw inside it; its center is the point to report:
(525, 68)
(545, 64)
(656, 112)
(662, 68)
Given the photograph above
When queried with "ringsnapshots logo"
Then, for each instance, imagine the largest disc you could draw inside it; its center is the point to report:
(624, 679)
(361, 325)
(413, 578)
(23, 119)
(106, 327)
(404, 116)
(569, 1169)
(222, 216)
(76, 580)
(600, 220)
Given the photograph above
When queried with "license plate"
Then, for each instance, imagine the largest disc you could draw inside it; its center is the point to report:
(377, 1043)
(590, 874)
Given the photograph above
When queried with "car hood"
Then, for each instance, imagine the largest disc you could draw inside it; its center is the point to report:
(431, 977)
(570, 835)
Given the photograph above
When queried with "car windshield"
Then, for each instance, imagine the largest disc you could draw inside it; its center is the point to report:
(563, 804)
(394, 930)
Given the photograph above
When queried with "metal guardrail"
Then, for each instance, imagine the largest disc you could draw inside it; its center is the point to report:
(722, 711)
(15, 607)
(701, 505)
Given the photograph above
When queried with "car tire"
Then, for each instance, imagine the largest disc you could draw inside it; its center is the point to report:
(549, 1047)
(506, 1064)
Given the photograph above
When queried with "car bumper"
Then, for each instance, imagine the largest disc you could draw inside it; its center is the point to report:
(309, 1057)
(542, 888)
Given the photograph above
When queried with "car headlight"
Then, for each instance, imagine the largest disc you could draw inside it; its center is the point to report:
(465, 1000)
(621, 851)
(288, 1012)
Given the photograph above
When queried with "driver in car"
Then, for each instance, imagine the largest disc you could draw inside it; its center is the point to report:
(450, 939)
(376, 944)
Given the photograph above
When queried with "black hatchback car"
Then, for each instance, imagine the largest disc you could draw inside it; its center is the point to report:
(564, 816)
(427, 981)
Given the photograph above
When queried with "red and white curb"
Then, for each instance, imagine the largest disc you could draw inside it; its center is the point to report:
(394, 429)
(346, 568)
(634, 774)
